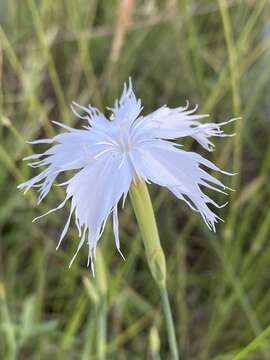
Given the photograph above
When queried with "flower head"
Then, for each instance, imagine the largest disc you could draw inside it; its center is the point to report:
(110, 154)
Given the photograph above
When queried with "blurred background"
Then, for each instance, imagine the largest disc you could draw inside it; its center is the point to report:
(211, 52)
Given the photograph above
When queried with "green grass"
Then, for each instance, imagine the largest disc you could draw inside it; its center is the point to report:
(213, 52)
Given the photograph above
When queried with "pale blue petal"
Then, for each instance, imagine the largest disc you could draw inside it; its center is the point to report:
(167, 123)
(73, 150)
(128, 108)
(95, 192)
(180, 171)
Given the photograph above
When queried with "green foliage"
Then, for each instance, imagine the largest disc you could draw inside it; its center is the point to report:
(213, 52)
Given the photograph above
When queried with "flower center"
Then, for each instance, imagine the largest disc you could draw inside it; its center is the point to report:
(124, 139)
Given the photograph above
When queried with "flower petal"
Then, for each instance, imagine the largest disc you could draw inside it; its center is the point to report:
(73, 150)
(169, 123)
(180, 171)
(128, 108)
(95, 192)
(95, 117)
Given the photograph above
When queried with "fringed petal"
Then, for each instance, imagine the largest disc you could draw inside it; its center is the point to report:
(73, 150)
(95, 192)
(128, 108)
(95, 118)
(182, 174)
(167, 123)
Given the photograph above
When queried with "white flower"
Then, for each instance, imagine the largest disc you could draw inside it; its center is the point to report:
(110, 154)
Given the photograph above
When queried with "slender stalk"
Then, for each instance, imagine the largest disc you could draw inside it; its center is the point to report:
(144, 212)
(102, 285)
(169, 323)
(143, 209)
(101, 336)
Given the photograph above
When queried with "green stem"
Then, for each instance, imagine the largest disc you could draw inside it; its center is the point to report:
(102, 287)
(101, 336)
(144, 212)
(147, 223)
(169, 323)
